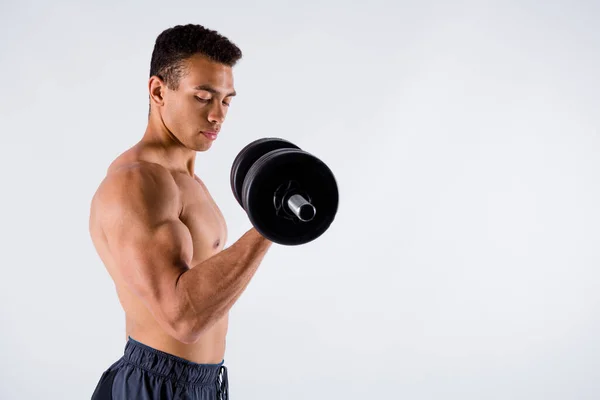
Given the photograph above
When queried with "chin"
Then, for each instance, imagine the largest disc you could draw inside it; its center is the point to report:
(203, 146)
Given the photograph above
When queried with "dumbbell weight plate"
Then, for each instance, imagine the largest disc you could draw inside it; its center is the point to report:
(248, 156)
(276, 168)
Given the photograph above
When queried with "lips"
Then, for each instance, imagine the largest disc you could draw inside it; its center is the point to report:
(210, 134)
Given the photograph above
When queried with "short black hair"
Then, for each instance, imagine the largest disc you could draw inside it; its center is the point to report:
(175, 45)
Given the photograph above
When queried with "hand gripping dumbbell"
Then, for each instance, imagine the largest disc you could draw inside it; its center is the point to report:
(291, 197)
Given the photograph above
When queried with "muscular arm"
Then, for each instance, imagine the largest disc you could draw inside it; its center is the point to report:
(139, 211)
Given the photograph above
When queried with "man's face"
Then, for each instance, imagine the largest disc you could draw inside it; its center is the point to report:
(199, 105)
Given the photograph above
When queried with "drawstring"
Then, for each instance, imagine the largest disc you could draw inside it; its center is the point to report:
(223, 384)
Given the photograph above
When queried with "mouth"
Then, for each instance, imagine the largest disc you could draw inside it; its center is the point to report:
(212, 135)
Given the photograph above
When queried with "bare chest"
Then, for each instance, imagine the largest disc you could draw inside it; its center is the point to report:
(203, 218)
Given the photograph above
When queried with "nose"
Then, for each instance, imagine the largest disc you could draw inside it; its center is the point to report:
(216, 115)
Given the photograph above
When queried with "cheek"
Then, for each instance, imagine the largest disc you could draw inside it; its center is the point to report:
(183, 116)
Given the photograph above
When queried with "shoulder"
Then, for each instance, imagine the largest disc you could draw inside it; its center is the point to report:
(138, 185)
(140, 175)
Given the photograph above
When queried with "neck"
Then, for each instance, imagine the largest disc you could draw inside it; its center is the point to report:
(164, 148)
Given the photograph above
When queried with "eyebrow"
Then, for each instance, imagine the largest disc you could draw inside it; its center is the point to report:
(212, 90)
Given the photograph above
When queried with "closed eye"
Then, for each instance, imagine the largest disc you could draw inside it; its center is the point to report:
(204, 101)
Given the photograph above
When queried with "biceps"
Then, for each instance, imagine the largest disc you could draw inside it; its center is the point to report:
(151, 260)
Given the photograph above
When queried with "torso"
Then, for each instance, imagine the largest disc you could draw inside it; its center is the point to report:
(209, 234)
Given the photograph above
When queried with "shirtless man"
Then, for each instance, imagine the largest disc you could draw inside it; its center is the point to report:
(161, 236)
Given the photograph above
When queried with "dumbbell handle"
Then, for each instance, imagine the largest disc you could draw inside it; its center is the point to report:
(301, 207)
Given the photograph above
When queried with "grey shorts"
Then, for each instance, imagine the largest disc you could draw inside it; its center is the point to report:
(144, 373)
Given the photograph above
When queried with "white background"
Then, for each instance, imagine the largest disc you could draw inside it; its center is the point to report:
(463, 262)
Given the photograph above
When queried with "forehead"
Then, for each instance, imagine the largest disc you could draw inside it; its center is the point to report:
(200, 70)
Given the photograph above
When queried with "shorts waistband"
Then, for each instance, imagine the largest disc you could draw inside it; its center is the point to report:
(170, 366)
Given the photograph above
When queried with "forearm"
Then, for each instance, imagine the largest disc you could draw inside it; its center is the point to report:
(210, 289)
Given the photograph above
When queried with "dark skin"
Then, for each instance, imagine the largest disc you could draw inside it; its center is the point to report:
(160, 234)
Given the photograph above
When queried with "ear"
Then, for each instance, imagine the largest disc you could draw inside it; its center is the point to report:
(156, 88)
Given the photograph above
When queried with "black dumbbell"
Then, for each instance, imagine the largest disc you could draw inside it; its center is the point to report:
(290, 196)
